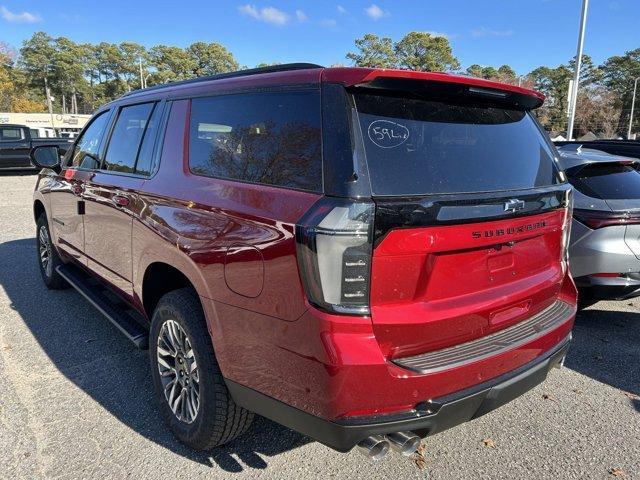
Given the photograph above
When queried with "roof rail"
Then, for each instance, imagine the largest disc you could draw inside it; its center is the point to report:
(284, 67)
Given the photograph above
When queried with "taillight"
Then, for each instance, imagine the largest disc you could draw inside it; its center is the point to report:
(334, 254)
(595, 219)
(566, 231)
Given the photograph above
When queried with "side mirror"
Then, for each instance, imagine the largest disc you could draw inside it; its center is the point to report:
(46, 156)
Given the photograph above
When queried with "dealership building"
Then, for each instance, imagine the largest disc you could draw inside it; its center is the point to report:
(61, 123)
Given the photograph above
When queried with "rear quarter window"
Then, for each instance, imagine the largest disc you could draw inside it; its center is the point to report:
(421, 147)
(271, 138)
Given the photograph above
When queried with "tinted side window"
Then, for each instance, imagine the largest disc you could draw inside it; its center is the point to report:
(10, 134)
(126, 137)
(145, 156)
(85, 152)
(271, 138)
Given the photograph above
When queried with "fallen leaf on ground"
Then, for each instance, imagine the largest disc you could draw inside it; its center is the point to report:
(420, 462)
(617, 472)
(418, 457)
(488, 442)
(6, 347)
(546, 396)
(630, 395)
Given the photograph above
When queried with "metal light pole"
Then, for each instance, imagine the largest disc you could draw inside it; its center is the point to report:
(141, 77)
(47, 93)
(576, 75)
(633, 104)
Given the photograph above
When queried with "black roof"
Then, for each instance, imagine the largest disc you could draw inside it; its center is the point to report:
(284, 67)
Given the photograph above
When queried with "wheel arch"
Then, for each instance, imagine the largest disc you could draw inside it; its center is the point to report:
(159, 279)
(38, 209)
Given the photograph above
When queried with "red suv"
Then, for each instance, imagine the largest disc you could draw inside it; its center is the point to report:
(366, 256)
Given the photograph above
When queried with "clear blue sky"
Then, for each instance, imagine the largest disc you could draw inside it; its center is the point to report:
(521, 33)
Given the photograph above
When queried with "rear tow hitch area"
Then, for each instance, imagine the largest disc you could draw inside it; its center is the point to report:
(376, 447)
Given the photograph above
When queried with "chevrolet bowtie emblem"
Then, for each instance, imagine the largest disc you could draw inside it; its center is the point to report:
(514, 205)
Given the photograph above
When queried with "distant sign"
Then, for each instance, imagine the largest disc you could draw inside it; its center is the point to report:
(46, 120)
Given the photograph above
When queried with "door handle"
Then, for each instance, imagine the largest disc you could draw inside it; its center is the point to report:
(121, 201)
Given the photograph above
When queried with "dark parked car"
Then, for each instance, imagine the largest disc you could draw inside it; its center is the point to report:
(16, 142)
(366, 256)
(605, 236)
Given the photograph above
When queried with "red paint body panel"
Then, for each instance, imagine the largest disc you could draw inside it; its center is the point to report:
(435, 287)
(107, 223)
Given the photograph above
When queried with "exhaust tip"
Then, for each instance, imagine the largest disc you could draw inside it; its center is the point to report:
(374, 447)
(404, 442)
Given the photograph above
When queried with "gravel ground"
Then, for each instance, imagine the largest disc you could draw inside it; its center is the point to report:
(76, 399)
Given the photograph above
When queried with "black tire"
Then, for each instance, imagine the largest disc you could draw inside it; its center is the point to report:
(50, 276)
(218, 420)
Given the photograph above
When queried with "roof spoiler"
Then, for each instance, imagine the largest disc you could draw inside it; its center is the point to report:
(427, 83)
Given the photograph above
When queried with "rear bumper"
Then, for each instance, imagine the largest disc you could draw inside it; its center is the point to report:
(627, 285)
(603, 250)
(491, 345)
(427, 418)
(332, 367)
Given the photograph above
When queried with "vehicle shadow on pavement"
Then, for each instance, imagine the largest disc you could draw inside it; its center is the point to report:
(605, 348)
(91, 353)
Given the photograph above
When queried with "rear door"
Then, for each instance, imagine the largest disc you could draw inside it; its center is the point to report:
(111, 193)
(470, 210)
(14, 147)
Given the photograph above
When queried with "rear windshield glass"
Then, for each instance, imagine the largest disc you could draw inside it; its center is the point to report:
(420, 147)
(608, 181)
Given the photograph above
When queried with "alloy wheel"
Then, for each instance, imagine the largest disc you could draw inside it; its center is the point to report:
(178, 371)
(44, 248)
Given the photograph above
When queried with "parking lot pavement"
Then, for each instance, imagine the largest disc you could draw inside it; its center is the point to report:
(76, 399)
